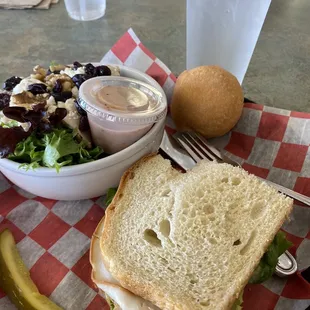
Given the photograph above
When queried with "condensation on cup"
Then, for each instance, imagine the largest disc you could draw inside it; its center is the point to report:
(224, 33)
(85, 9)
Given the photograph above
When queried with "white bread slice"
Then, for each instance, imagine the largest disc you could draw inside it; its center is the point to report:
(122, 298)
(189, 241)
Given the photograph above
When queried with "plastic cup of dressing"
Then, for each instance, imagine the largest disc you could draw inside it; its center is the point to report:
(120, 110)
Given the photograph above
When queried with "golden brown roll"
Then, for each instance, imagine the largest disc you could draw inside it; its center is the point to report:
(208, 100)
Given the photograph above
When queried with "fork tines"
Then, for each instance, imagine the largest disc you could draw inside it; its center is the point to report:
(197, 146)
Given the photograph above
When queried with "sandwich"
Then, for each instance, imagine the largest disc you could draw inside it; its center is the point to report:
(175, 241)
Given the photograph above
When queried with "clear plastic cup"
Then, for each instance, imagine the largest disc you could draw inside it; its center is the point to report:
(118, 119)
(224, 33)
(85, 9)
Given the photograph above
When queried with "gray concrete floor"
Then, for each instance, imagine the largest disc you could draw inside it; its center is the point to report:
(278, 75)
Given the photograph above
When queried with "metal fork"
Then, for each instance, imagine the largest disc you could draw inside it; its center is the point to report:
(198, 148)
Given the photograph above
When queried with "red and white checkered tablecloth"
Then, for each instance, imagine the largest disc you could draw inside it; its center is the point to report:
(53, 237)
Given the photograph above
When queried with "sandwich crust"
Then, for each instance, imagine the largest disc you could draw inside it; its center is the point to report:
(109, 288)
(145, 289)
(96, 275)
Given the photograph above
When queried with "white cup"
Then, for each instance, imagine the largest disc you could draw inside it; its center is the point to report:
(85, 9)
(224, 33)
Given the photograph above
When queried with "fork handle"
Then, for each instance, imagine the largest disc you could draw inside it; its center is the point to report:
(289, 192)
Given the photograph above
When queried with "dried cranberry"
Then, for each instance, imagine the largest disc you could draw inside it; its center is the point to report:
(79, 79)
(84, 125)
(62, 96)
(79, 108)
(56, 117)
(45, 127)
(15, 113)
(90, 70)
(57, 96)
(10, 83)
(37, 88)
(35, 117)
(4, 101)
(58, 87)
(76, 65)
(23, 115)
(9, 137)
(66, 95)
(39, 107)
(103, 70)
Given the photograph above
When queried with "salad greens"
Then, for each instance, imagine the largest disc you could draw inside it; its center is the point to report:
(54, 63)
(9, 124)
(31, 118)
(110, 302)
(267, 264)
(54, 150)
(110, 195)
(238, 303)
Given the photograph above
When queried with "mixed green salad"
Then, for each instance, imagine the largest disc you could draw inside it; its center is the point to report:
(41, 123)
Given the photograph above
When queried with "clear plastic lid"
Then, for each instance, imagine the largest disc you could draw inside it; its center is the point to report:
(122, 100)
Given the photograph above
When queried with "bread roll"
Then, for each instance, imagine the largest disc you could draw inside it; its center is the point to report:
(208, 100)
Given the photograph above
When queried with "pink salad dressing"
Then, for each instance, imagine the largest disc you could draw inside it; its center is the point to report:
(120, 110)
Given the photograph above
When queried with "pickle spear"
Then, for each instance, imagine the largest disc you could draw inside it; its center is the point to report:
(15, 278)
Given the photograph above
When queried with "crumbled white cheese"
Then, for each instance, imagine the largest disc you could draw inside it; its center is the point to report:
(72, 123)
(70, 105)
(61, 104)
(71, 72)
(25, 126)
(75, 92)
(51, 109)
(24, 84)
(50, 101)
(115, 70)
(73, 117)
(51, 105)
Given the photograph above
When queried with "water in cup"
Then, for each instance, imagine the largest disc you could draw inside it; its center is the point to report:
(85, 9)
(224, 33)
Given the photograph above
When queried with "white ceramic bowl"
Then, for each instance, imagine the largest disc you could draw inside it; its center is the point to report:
(91, 179)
